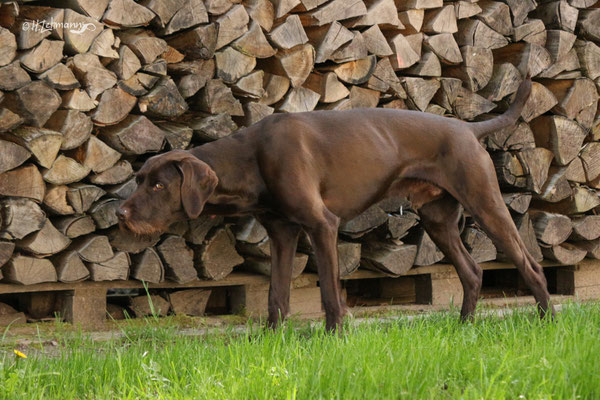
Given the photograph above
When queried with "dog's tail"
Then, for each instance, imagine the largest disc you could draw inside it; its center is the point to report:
(484, 128)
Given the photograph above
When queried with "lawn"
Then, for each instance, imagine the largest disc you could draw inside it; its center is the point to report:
(425, 357)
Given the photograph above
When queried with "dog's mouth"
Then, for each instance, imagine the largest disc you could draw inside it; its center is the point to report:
(140, 228)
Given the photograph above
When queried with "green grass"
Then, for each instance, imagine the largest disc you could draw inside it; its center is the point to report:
(432, 357)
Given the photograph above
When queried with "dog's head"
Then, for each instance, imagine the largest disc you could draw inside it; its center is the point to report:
(172, 186)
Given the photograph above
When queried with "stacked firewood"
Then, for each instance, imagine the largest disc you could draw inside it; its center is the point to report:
(89, 89)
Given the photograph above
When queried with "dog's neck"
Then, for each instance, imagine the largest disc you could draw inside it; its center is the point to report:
(236, 192)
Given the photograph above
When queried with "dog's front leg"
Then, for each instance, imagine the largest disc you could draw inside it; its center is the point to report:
(283, 236)
(323, 237)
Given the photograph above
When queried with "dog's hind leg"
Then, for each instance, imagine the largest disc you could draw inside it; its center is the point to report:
(481, 196)
(283, 236)
(440, 219)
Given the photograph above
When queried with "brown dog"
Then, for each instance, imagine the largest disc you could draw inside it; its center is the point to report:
(308, 171)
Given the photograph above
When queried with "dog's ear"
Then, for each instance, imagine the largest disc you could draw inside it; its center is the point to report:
(198, 181)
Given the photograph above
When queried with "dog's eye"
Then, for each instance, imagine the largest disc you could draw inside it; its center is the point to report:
(158, 186)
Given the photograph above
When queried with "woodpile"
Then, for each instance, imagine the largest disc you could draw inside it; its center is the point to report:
(90, 90)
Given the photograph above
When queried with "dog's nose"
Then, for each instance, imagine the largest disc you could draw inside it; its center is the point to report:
(123, 213)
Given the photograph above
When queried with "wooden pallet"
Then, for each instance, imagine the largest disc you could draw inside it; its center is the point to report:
(429, 287)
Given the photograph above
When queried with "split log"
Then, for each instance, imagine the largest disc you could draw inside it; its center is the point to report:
(363, 98)
(9, 120)
(561, 135)
(440, 20)
(75, 127)
(420, 92)
(527, 233)
(588, 54)
(384, 79)
(75, 226)
(213, 127)
(586, 227)
(557, 14)
(275, 88)
(25, 181)
(572, 95)
(189, 302)
(557, 186)
(124, 190)
(96, 155)
(478, 244)
(78, 100)
(45, 242)
(412, 20)
(509, 170)
(518, 202)
(81, 196)
(127, 63)
(540, 101)
(575, 171)
(336, 10)
(376, 43)
(114, 269)
(552, 229)
(533, 31)
(127, 14)
(79, 39)
(136, 134)
(250, 85)
(199, 228)
(591, 161)
(296, 64)
(104, 45)
(517, 137)
(232, 25)
(565, 253)
(149, 305)
(34, 102)
(398, 225)
(178, 259)
(447, 93)
(146, 46)
(370, 219)
(505, 79)
(13, 77)
(559, 43)
(124, 240)
(193, 75)
(94, 77)
(404, 55)
(216, 258)
(44, 144)
(527, 57)
(93, 248)
(12, 155)
(254, 112)
(263, 265)
(354, 50)
(591, 247)
(115, 104)
(299, 100)
(390, 259)
(232, 65)
(428, 65)
(582, 200)
(65, 170)
(427, 251)
(536, 163)
(104, 213)
(148, 267)
(476, 69)
(114, 175)
(472, 32)
(496, 15)
(43, 56)
(289, 34)
(327, 86)
(191, 14)
(199, 43)
(261, 11)
(70, 268)
(29, 270)
(20, 217)
(445, 47)
(254, 43)
(55, 200)
(9, 46)
(327, 39)
(6, 251)
(520, 9)
(217, 98)
(163, 101)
